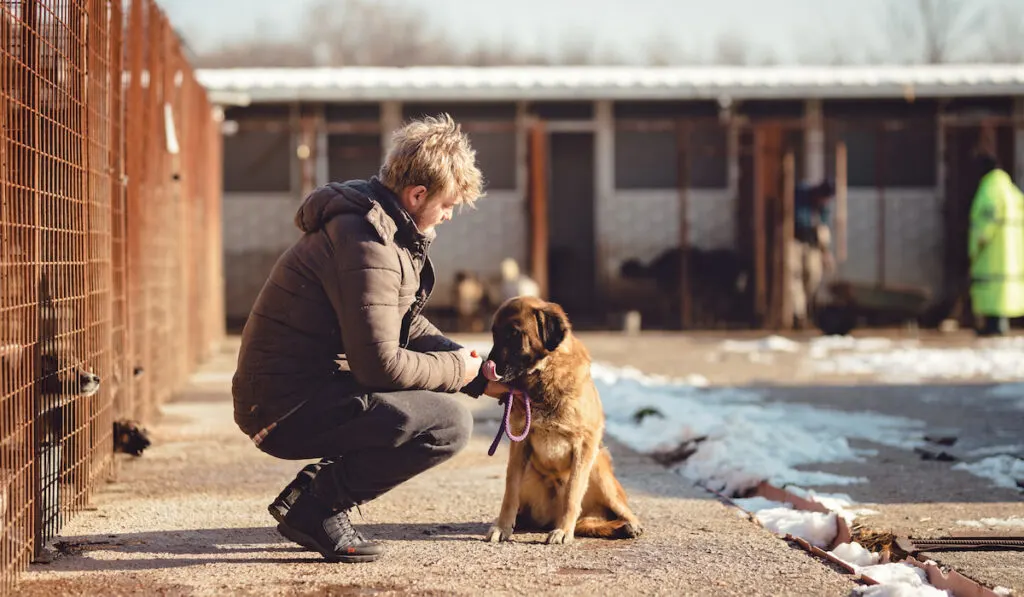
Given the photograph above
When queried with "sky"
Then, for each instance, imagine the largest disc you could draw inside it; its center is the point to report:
(785, 27)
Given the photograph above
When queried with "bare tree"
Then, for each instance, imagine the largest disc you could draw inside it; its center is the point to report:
(664, 49)
(731, 49)
(933, 31)
(1003, 41)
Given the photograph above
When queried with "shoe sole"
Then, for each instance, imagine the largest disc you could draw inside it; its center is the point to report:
(277, 513)
(307, 542)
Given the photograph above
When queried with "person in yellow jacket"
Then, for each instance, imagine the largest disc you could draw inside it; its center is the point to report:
(996, 250)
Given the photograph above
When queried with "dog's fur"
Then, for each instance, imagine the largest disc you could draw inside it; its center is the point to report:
(560, 478)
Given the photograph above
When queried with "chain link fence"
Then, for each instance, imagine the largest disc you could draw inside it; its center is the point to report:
(110, 266)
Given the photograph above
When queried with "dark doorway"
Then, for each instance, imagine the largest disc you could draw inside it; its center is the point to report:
(571, 251)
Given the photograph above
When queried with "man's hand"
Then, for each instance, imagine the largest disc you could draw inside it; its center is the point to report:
(473, 362)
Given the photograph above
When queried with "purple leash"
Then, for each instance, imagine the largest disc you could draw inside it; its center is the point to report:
(504, 422)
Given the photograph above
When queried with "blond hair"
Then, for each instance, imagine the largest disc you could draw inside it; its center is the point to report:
(433, 152)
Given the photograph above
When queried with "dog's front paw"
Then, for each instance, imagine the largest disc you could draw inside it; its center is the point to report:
(632, 530)
(496, 534)
(559, 537)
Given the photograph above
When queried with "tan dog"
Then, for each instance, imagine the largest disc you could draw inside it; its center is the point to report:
(560, 478)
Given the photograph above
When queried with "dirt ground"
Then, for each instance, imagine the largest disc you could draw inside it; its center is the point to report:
(189, 517)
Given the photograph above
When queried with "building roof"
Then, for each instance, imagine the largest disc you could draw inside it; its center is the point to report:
(265, 85)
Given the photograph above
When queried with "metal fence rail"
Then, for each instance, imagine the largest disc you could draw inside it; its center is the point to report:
(110, 269)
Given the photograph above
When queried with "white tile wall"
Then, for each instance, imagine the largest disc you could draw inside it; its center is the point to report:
(913, 237)
(643, 223)
(478, 239)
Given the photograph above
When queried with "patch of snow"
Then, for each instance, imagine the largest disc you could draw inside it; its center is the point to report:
(1004, 471)
(748, 439)
(1005, 591)
(909, 364)
(855, 554)
(840, 503)
(1013, 392)
(767, 344)
(822, 346)
(993, 450)
(816, 528)
(898, 580)
(757, 503)
(1013, 522)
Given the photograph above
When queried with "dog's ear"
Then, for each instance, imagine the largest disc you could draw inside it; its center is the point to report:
(552, 326)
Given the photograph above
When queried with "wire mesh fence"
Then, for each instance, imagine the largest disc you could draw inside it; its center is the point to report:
(110, 229)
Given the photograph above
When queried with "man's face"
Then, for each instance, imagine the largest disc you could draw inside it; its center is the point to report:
(427, 212)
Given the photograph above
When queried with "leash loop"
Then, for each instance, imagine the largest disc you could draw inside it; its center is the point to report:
(505, 428)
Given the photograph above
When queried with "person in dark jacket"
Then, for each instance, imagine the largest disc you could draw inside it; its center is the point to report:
(337, 362)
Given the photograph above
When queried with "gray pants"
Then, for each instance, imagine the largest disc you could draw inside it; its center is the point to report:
(805, 271)
(369, 444)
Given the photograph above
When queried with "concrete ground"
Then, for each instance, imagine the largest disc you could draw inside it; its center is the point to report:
(914, 497)
(189, 516)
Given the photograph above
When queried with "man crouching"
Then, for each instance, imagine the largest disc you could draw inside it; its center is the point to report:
(337, 362)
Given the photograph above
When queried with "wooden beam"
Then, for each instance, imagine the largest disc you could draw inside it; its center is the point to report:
(538, 201)
(786, 235)
(841, 218)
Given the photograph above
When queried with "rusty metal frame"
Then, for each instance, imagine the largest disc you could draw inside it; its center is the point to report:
(109, 248)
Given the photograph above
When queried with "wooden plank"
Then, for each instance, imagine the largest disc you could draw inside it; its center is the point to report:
(538, 204)
(841, 206)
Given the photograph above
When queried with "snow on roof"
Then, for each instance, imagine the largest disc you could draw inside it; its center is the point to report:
(263, 85)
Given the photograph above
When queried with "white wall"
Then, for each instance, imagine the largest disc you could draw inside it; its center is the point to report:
(258, 227)
(914, 234)
(643, 223)
(478, 239)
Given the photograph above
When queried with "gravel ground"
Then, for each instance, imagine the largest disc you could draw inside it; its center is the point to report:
(189, 518)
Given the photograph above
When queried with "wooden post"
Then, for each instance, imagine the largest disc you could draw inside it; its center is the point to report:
(767, 186)
(760, 236)
(841, 218)
(880, 172)
(538, 205)
(683, 184)
(786, 209)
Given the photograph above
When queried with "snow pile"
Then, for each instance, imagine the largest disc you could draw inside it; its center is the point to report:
(855, 554)
(897, 580)
(840, 503)
(767, 344)
(894, 361)
(909, 365)
(822, 346)
(1013, 392)
(747, 439)
(817, 528)
(1008, 449)
(1013, 522)
(1004, 470)
(757, 503)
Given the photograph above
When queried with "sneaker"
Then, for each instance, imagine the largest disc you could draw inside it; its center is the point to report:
(314, 525)
(284, 501)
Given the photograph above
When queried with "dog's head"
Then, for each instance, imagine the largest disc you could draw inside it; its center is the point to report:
(524, 331)
(67, 377)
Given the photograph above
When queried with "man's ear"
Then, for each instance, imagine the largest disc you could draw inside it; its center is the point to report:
(414, 196)
(552, 326)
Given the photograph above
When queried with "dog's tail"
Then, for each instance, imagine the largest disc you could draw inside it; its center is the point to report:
(602, 528)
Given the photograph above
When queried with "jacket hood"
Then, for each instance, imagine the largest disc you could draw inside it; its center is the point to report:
(329, 201)
(367, 198)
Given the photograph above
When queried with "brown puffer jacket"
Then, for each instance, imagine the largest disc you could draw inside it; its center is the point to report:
(353, 285)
